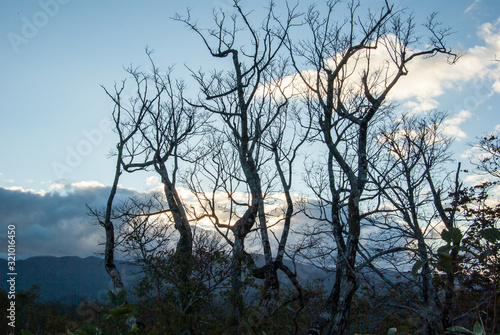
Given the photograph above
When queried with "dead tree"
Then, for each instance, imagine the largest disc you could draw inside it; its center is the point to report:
(407, 174)
(350, 68)
(161, 141)
(252, 108)
(126, 131)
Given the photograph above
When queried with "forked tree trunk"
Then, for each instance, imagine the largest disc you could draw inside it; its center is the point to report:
(431, 311)
(240, 229)
(334, 317)
(109, 260)
(181, 223)
(236, 297)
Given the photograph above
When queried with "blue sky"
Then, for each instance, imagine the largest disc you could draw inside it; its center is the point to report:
(55, 54)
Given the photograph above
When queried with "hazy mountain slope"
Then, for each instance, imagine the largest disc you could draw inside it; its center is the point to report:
(65, 279)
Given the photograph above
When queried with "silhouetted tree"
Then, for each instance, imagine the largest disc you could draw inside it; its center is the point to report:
(249, 152)
(160, 140)
(407, 174)
(353, 67)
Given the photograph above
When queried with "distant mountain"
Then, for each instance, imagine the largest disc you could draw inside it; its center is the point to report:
(305, 272)
(71, 279)
(65, 279)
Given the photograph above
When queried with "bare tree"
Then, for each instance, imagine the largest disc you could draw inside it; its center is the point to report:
(489, 160)
(127, 123)
(246, 158)
(254, 112)
(160, 141)
(146, 237)
(406, 174)
(354, 67)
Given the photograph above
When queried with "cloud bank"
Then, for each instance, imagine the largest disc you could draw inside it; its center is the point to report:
(54, 223)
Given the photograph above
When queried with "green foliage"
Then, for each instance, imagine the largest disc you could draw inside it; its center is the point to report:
(119, 320)
(477, 330)
(480, 271)
(444, 259)
(452, 235)
(87, 330)
(492, 235)
(418, 265)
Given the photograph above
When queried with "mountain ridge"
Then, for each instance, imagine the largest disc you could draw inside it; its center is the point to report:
(71, 279)
(65, 279)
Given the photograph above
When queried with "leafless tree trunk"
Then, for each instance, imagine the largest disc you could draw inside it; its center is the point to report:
(448, 217)
(344, 107)
(160, 141)
(249, 111)
(415, 150)
(125, 134)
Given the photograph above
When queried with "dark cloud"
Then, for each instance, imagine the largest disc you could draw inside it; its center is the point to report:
(57, 223)
(54, 223)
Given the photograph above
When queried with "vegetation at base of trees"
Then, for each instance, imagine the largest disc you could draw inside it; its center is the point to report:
(375, 311)
(413, 249)
(36, 317)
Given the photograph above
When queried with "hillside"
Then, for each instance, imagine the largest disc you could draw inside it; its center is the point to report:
(65, 279)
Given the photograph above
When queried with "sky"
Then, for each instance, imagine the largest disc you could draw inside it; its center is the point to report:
(55, 134)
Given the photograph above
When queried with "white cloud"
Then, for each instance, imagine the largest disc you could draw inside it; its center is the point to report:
(87, 184)
(452, 125)
(475, 179)
(153, 183)
(489, 32)
(426, 79)
(421, 105)
(22, 190)
(469, 153)
(472, 6)
(496, 86)
(430, 78)
(62, 187)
